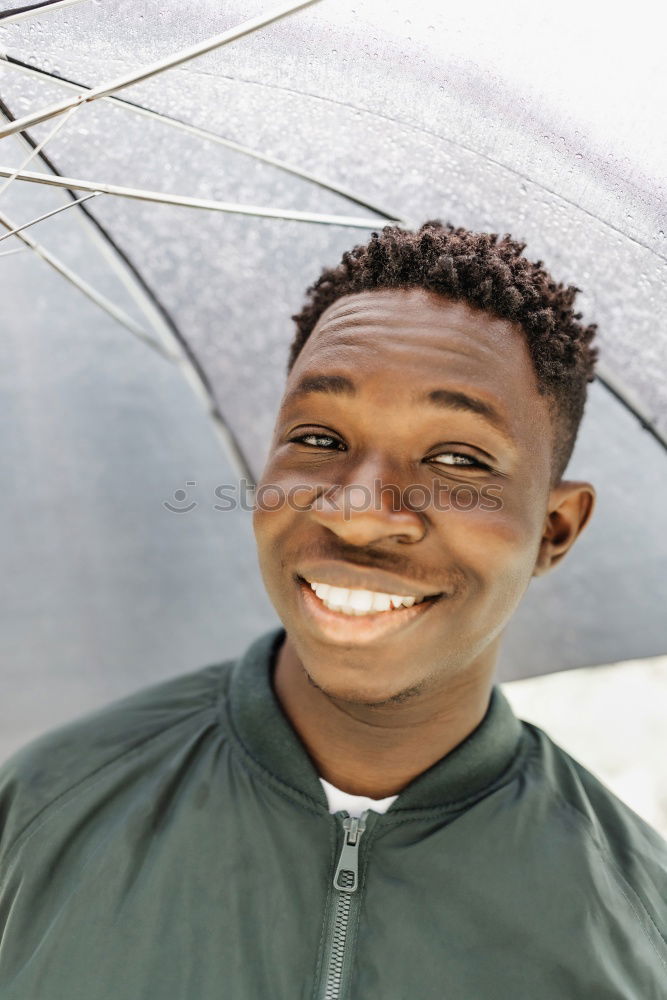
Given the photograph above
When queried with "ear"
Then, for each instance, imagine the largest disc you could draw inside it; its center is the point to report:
(569, 511)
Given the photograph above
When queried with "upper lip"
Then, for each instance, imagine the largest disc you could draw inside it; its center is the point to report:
(348, 576)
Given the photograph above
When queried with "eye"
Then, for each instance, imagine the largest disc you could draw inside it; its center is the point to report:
(317, 441)
(330, 443)
(460, 459)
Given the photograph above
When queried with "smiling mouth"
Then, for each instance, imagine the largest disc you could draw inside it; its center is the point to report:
(357, 602)
(343, 615)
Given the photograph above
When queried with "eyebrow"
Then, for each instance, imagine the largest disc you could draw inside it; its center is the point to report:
(335, 385)
(453, 399)
(445, 399)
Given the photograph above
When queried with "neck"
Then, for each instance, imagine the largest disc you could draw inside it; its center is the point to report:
(376, 750)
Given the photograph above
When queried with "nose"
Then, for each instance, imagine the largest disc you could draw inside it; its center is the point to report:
(368, 509)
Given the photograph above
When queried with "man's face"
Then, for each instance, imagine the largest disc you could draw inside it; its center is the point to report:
(474, 479)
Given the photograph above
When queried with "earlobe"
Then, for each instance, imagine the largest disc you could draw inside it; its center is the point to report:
(570, 508)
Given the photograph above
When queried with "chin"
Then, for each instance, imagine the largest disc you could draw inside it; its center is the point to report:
(360, 692)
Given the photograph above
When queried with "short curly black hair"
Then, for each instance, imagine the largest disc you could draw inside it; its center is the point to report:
(488, 273)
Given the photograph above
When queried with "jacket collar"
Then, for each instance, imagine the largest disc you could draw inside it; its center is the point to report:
(268, 737)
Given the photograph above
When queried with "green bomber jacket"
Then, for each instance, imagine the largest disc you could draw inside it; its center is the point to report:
(177, 845)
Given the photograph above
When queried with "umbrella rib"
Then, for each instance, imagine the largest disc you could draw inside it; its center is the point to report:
(193, 376)
(100, 300)
(238, 147)
(34, 151)
(47, 215)
(207, 135)
(18, 13)
(614, 386)
(27, 140)
(8, 253)
(152, 69)
(158, 316)
(186, 201)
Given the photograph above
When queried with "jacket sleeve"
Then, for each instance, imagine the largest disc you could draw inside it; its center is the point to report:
(21, 782)
(37, 776)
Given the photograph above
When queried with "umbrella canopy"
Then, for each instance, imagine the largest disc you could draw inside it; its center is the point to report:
(238, 150)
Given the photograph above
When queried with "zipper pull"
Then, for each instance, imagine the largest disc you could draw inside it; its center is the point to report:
(346, 878)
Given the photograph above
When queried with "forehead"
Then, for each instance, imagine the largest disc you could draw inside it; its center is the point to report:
(391, 340)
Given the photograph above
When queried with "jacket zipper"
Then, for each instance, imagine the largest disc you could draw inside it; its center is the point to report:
(346, 883)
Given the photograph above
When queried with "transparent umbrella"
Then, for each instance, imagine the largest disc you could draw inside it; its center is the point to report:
(179, 174)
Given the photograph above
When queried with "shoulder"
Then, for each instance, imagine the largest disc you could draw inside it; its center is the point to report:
(632, 854)
(118, 736)
(612, 821)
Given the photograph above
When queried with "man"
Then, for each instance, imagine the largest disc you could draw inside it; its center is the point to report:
(351, 809)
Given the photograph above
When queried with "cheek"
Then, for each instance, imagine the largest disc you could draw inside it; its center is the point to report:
(497, 549)
(270, 527)
(497, 539)
(270, 514)
(280, 497)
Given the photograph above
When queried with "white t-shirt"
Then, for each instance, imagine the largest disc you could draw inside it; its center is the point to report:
(354, 804)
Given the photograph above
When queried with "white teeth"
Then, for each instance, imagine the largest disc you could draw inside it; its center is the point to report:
(360, 602)
(345, 611)
(381, 602)
(338, 596)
